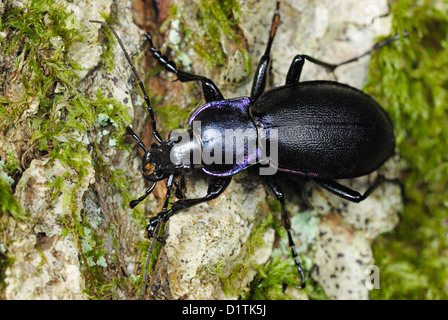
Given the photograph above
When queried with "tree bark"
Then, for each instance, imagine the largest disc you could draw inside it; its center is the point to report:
(84, 241)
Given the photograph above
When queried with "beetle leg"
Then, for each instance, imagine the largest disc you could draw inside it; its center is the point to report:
(209, 89)
(180, 188)
(215, 188)
(350, 194)
(135, 202)
(296, 67)
(259, 83)
(276, 191)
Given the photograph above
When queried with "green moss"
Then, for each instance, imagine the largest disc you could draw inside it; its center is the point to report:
(277, 273)
(175, 116)
(107, 56)
(9, 204)
(39, 38)
(64, 114)
(215, 20)
(272, 278)
(409, 78)
(40, 33)
(280, 272)
(5, 262)
(240, 270)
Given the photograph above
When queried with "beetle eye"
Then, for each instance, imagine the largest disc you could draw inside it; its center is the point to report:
(148, 169)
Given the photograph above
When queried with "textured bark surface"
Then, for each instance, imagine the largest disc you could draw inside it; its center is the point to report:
(85, 241)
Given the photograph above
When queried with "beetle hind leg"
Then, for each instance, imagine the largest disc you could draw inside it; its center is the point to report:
(296, 66)
(275, 189)
(350, 194)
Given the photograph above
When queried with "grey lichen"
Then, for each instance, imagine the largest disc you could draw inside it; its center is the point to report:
(45, 261)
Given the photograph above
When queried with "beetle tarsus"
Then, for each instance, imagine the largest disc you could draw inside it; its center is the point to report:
(331, 67)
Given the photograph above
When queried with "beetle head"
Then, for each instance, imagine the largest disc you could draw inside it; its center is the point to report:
(156, 164)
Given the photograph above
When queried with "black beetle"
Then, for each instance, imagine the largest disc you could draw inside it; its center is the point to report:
(323, 130)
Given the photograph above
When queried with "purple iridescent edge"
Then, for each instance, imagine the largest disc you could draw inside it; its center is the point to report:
(241, 103)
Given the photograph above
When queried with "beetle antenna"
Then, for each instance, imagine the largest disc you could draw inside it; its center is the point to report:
(140, 142)
(160, 217)
(148, 259)
(155, 133)
(135, 202)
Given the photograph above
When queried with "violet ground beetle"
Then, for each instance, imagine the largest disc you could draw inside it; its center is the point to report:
(324, 130)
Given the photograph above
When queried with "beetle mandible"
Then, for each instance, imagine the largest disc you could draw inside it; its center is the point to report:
(323, 130)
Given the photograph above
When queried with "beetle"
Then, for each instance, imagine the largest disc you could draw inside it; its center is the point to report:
(323, 130)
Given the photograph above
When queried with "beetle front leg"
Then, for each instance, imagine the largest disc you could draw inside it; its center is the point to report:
(180, 188)
(215, 188)
(272, 185)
